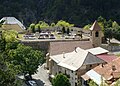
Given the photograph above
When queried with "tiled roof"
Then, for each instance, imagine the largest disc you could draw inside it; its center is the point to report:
(106, 71)
(107, 57)
(95, 26)
(60, 47)
(74, 60)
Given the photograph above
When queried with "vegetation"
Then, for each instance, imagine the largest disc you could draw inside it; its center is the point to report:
(60, 80)
(16, 58)
(92, 83)
(78, 12)
(110, 29)
(26, 58)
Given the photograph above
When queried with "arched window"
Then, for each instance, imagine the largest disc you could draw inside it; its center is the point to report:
(96, 34)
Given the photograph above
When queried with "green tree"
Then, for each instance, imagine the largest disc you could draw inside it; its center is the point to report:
(32, 27)
(109, 33)
(92, 83)
(60, 80)
(8, 73)
(8, 40)
(117, 82)
(87, 27)
(68, 30)
(63, 30)
(115, 25)
(37, 28)
(27, 58)
(64, 24)
(43, 24)
(52, 24)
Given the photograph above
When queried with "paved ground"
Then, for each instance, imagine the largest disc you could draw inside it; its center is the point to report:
(42, 77)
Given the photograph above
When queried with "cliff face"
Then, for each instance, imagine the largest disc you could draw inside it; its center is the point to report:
(79, 12)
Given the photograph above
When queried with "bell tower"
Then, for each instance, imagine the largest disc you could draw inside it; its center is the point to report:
(96, 34)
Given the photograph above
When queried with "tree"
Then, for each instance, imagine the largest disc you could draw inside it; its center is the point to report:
(8, 73)
(68, 30)
(37, 28)
(52, 24)
(117, 82)
(63, 30)
(8, 40)
(60, 80)
(43, 24)
(32, 27)
(87, 27)
(64, 24)
(109, 33)
(115, 25)
(92, 83)
(27, 58)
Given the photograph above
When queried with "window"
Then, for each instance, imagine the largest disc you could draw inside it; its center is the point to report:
(90, 65)
(71, 71)
(96, 34)
(65, 71)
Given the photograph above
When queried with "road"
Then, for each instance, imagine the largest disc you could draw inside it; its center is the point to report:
(42, 77)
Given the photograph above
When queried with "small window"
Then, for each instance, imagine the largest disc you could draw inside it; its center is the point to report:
(65, 71)
(96, 34)
(71, 71)
(90, 65)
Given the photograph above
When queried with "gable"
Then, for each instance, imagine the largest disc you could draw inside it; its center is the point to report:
(91, 59)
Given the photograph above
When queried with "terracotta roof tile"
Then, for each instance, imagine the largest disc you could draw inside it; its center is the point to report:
(106, 71)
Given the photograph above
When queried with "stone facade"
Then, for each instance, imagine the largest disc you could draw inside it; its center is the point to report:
(96, 40)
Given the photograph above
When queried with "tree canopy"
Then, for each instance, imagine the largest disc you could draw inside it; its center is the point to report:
(60, 80)
(26, 58)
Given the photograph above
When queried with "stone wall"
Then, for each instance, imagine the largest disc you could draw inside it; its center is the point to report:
(44, 44)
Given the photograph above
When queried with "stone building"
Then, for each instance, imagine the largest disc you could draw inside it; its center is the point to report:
(96, 34)
(74, 64)
(11, 23)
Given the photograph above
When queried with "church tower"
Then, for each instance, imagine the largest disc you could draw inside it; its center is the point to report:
(96, 34)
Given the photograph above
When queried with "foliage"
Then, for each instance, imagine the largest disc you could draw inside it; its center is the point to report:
(78, 12)
(68, 30)
(37, 28)
(117, 82)
(87, 27)
(52, 24)
(8, 73)
(63, 30)
(32, 27)
(62, 23)
(26, 58)
(115, 25)
(8, 40)
(60, 80)
(43, 25)
(109, 33)
(92, 83)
